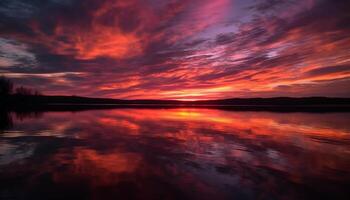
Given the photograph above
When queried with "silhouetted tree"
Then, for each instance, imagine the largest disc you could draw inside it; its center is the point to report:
(5, 120)
(24, 91)
(37, 93)
(6, 86)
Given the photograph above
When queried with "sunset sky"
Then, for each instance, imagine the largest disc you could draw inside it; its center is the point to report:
(177, 49)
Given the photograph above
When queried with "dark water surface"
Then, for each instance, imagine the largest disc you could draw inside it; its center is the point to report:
(174, 154)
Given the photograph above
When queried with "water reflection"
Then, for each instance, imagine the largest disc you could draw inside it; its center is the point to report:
(5, 120)
(175, 154)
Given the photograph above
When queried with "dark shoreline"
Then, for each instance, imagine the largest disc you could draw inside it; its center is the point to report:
(268, 108)
(73, 103)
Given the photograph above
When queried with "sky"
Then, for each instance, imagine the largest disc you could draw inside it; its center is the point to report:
(177, 49)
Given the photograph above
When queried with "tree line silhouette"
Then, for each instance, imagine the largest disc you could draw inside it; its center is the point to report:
(27, 99)
(7, 88)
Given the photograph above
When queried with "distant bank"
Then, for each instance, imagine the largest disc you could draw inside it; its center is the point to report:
(40, 102)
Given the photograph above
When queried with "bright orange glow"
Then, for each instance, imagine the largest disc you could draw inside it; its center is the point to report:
(196, 94)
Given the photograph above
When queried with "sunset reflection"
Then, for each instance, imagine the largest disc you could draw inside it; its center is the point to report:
(177, 153)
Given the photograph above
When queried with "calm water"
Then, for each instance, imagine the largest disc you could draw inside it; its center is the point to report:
(174, 154)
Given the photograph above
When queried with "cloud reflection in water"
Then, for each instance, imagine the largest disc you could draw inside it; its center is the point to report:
(176, 154)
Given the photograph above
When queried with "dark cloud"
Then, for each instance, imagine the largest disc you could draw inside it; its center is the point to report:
(268, 5)
(225, 38)
(328, 70)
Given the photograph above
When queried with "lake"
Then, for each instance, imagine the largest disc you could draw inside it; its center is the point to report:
(178, 153)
